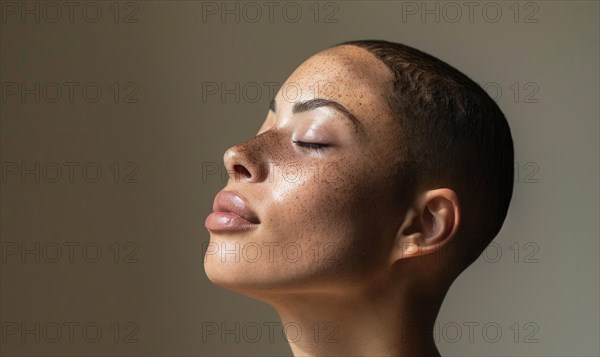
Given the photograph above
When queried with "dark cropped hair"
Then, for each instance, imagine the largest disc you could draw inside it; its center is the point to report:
(453, 135)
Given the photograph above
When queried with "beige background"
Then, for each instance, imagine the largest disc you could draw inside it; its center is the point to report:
(535, 292)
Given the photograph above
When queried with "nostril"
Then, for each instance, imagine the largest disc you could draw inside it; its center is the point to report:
(240, 169)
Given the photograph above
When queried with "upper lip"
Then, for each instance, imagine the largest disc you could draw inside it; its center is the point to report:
(229, 201)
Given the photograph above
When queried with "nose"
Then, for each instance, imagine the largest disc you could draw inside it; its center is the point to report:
(244, 163)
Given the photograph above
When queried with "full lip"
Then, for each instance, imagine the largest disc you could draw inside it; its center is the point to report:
(232, 202)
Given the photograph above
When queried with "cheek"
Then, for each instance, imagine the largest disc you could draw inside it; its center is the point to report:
(324, 212)
(311, 196)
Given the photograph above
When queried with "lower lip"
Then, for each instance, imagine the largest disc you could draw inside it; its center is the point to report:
(227, 221)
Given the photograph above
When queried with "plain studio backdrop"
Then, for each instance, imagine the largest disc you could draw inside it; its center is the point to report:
(115, 117)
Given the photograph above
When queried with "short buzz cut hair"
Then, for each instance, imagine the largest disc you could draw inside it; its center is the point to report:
(453, 134)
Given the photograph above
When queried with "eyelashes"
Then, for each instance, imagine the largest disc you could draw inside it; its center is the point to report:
(311, 146)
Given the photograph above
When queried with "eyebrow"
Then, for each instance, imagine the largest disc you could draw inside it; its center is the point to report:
(315, 103)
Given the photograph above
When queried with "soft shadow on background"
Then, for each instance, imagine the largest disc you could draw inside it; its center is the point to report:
(115, 117)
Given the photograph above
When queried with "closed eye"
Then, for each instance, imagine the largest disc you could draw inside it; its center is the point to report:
(313, 146)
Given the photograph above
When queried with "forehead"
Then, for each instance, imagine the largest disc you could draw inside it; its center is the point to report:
(347, 74)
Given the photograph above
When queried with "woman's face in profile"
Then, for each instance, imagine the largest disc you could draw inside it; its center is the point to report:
(320, 179)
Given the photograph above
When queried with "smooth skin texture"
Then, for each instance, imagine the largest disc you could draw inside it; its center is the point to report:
(339, 246)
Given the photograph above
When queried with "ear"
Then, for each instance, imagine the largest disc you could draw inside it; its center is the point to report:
(429, 224)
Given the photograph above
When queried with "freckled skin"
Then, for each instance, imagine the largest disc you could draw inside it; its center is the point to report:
(339, 213)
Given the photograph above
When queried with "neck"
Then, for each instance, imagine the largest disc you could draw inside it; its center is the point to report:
(376, 321)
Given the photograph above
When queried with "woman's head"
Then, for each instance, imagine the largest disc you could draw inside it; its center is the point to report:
(335, 179)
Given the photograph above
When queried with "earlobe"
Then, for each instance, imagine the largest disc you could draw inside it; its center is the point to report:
(409, 237)
(429, 225)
